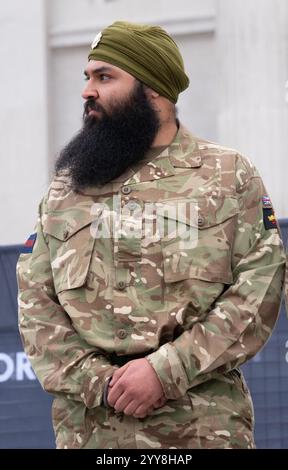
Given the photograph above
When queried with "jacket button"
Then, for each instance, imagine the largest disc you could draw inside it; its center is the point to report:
(126, 189)
(121, 334)
(201, 221)
(132, 205)
(121, 285)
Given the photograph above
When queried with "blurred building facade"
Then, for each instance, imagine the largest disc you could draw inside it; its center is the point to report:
(235, 52)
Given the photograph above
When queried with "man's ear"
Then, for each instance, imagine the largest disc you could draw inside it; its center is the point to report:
(152, 94)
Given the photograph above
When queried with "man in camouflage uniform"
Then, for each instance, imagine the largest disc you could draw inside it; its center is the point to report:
(148, 281)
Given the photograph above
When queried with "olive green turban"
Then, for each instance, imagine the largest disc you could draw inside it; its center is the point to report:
(146, 52)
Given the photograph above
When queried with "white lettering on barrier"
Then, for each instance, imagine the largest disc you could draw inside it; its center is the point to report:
(15, 366)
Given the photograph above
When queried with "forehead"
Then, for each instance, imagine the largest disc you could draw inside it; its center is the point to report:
(94, 65)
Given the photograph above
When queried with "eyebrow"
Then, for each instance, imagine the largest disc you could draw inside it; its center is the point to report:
(97, 71)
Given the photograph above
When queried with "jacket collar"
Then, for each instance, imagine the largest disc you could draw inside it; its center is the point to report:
(183, 152)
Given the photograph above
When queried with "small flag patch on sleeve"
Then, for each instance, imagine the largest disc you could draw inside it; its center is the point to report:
(28, 246)
(266, 201)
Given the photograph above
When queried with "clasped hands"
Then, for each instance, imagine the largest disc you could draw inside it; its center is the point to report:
(135, 389)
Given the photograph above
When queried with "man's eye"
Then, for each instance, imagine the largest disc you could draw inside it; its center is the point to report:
(104, 77)
(86, 78)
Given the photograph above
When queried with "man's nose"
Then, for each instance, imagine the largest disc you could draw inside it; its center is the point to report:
(89, 91)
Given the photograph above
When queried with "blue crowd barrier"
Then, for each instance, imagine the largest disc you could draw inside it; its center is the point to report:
(25, 409)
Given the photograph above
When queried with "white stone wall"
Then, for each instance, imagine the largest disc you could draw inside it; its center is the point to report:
(253, 69)
(83, 16)
(23, 116)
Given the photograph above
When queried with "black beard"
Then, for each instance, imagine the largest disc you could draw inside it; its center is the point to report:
(106, 146)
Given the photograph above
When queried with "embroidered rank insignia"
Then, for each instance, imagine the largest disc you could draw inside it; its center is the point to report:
(269, 218)
(28, 246)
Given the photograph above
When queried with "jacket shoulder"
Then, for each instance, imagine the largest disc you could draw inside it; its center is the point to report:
(59, 186)
(229, 159)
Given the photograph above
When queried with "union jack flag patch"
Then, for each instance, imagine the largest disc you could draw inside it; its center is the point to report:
(266, 201)
(28, 246)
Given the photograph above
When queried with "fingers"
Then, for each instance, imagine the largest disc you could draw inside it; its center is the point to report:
(134, 389)
(131, 408)
(116, 390)
(122, 403)
(117, 374)
(142, 411)
(114, 394)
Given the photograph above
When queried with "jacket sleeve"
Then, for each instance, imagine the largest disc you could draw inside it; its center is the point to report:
(63, 362)
(243, 317)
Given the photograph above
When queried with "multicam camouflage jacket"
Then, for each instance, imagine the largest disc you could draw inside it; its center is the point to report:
(180, 260)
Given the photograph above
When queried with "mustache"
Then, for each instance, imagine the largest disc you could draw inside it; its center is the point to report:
(91, 105)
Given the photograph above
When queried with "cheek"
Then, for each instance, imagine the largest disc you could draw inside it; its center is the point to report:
(116, 94)
(108, 98)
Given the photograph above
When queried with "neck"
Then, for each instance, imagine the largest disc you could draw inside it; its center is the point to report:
(166, 134)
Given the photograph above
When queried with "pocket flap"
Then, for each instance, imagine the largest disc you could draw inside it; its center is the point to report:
(213, 211)
(201, 212)
(64, 224)
(71, 243)
(180, 210)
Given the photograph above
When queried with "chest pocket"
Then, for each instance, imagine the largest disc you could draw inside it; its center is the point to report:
(206, 252)
(71, 243)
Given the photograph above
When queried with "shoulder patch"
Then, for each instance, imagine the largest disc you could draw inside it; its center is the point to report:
(269, 218)
(266, 201)
(28, 246)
